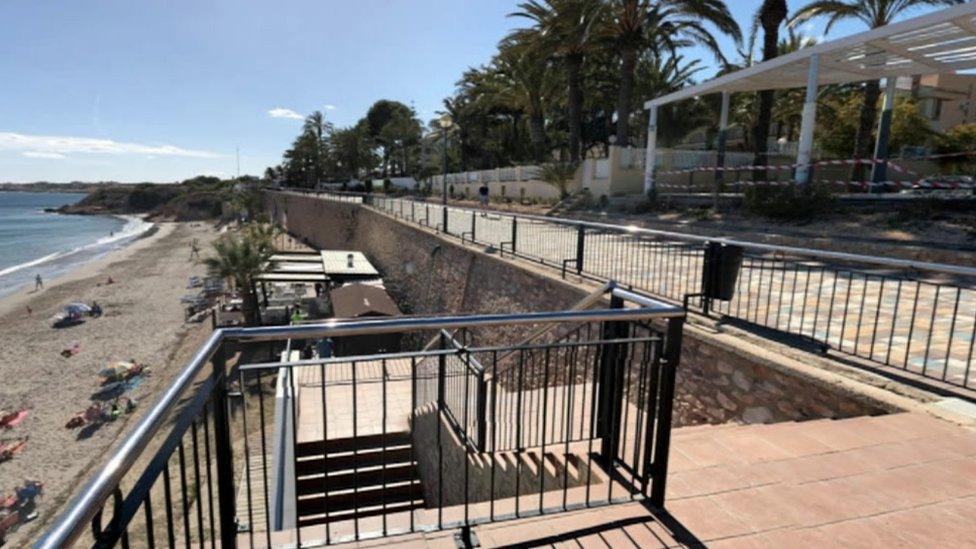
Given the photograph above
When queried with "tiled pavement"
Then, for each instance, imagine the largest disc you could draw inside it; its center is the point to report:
(870, 312)
(902, 480)
(899, 480)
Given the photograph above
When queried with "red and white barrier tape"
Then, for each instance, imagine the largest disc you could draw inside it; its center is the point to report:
(832, 162)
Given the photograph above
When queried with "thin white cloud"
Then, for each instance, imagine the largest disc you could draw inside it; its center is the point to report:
(63, 145)
(42, 154)
(330, 107)
(281, 112)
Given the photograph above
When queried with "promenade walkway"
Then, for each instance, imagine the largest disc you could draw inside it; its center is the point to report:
(919, 320)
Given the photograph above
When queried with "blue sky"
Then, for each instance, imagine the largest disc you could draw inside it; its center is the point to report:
(154, 90)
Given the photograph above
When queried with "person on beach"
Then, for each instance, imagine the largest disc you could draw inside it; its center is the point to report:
(194, 249)
(38, 283)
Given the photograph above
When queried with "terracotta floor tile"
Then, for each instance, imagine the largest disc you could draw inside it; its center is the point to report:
(706, 519)
(761, 509)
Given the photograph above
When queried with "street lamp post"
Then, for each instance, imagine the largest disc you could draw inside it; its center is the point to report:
(445, 123)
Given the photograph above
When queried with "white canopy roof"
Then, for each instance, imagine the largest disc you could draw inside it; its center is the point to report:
(939, 42)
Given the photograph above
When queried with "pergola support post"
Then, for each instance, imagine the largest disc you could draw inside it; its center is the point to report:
(651, 155)
(879, 169)
(808, 121)
(723, 130)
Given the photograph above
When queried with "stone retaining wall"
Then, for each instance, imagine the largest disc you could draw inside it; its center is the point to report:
(426, 273)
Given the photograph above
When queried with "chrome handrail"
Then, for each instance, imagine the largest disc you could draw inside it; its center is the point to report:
(83, 507)
(907, 264)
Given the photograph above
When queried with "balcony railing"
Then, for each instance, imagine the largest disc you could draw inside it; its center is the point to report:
(246, 448)
(914, 316)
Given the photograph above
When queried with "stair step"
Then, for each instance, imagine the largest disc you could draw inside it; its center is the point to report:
(349, 444)
(373, 476)
(369, 497)
(360, 513)
(334, 463)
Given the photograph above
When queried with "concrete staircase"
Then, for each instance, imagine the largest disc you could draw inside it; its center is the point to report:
(366, 476)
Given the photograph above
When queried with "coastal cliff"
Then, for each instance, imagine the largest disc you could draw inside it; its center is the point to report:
(197, 199)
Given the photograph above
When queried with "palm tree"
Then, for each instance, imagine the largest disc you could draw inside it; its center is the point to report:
(770, 16)
(564, 29)
(558, 174)
(316, 126)
(874, 14)
(635, 26)
(240, 259)
(521, 82)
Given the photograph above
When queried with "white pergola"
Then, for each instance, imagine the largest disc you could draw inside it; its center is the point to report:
(939, 42)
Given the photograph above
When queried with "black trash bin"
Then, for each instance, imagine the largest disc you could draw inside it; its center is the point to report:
(721, 270)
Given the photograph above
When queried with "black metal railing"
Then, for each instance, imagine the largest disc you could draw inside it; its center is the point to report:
(252, 445)
(915, 316)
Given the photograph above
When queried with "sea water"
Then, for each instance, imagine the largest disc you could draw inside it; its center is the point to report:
(35, 242)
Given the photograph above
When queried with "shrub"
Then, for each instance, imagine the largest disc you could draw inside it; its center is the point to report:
(559, 175)
(789, 202)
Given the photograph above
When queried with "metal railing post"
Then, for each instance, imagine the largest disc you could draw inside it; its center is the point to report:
(481, 410)
(580, 242)
(514, 233)
(611, 386)
(441, 374)
(224, 453)
(444, 219)
(662, 439)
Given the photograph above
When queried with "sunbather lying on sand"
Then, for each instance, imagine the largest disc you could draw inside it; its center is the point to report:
(10, 448)
(9, 420)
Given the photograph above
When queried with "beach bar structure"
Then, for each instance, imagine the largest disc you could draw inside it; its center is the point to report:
(940, 42)
(335, 266)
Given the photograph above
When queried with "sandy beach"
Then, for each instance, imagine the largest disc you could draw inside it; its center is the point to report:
(143, 320)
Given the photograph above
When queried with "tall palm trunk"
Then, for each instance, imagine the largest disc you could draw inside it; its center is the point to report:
(771, 16)
(865, 125)
(628, 61)
(574, 65)
(537, 135)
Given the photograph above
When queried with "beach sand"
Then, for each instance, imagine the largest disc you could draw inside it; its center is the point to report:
(143, 320)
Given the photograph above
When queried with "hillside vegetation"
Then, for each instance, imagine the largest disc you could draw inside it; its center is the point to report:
(197, 199)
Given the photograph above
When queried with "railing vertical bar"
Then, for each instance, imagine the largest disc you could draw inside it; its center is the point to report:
(545, 409)
(247, 457)
(293, 405)
(952, 333)
(911, 324)
(325, 452)
(860, 314)
(928, 342)
(168, 501)
(264, 460)
(183, 497)
(466, 443)
(518, 429)
(441, 370)
(494, 433)
(894, 322)
(223, 451)
(355, 450)
(206, 455)
(593, 419)
(877, 317)
(413, 421)
(150, 533)
(196, 482)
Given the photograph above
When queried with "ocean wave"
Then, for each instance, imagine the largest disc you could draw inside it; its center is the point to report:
(133, 228)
